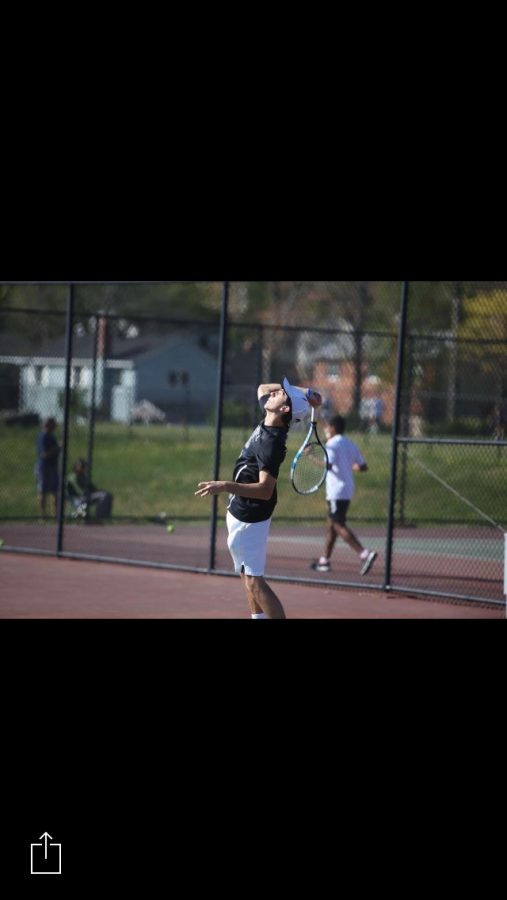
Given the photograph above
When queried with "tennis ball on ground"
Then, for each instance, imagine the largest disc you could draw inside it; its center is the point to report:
(170, 529)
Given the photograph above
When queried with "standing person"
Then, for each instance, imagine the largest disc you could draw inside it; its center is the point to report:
(345, 458)
(376, 412)
(365, 412)
(46, 467)
(252, 492)
(371, 410)
(80, 487)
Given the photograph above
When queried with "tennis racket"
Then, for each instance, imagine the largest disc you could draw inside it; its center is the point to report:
(310, 464)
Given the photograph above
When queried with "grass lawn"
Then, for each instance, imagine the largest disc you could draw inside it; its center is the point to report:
(155, 468)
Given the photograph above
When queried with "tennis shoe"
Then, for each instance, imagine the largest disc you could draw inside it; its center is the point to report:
(320, 567)
(370, 559)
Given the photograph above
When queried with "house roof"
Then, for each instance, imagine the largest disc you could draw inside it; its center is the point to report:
(122, 348)
(16, 344)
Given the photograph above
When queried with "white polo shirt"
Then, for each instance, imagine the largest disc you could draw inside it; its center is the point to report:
(342, 453)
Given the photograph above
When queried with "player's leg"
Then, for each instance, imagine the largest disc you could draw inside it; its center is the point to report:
(337, 510)
(247, 543)
(255, 609)
(342, 529)
(261, 596)
(330, 538)
(366, 556)
(348, 536)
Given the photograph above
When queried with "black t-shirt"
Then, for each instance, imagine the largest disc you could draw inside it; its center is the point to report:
(264, 450)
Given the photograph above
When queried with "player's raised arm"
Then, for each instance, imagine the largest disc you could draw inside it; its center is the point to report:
(313, 397)
(264, 389)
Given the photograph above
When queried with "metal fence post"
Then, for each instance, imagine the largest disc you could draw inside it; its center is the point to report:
(91, 425)
(66, 412)
(260, 336)
(218, 419)
(395, 432)
(405, 425)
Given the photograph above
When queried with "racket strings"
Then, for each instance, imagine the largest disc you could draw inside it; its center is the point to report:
(310, 469)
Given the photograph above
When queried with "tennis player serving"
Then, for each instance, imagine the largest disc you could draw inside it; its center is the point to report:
(252, 492)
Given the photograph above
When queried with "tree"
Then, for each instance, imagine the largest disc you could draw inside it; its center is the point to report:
(484, 325)
(46, 318)
(78, 408)
(124, 304)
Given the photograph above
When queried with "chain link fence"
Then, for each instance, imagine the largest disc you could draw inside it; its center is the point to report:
(154, 388)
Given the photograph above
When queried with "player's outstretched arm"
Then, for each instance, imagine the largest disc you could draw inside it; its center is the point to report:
(259, 490)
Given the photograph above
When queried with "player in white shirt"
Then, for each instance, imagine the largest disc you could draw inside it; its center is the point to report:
(345, 459)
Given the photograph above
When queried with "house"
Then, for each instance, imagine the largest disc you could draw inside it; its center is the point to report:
(333, 362)
(174, 368)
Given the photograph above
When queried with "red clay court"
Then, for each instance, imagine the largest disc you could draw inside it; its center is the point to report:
(45, 587)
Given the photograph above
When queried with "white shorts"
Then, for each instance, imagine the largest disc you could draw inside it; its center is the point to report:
(247, 543)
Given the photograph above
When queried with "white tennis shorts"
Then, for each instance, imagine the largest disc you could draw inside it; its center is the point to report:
(247, 543)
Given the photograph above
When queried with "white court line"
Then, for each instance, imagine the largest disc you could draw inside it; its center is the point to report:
(481, 548)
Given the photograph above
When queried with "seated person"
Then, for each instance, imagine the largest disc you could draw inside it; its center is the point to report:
(79, 486)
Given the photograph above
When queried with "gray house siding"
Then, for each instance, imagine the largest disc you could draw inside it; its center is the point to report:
(180, 379)
(175, 372)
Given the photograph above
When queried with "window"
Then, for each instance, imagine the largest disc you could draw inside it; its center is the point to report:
(40, 375)
(175, 378)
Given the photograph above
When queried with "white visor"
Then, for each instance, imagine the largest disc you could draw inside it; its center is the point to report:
(299, 403)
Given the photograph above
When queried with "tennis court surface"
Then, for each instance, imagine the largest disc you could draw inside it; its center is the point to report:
(461, 561)
(45, 587)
